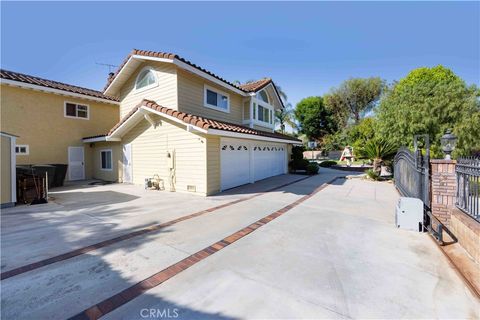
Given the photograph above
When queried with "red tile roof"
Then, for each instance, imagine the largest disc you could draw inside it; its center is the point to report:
(254, 86)
(246, 87)
(202, 122)
(24, 78)
(165, 55)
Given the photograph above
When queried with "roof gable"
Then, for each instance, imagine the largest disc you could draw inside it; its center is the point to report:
(136, 57)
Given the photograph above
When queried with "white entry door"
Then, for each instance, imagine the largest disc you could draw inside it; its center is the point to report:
(76, 163)
(234, 163)
(127, 163)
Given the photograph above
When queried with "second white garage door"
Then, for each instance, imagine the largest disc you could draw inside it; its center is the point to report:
(269, 160)
(245, 161)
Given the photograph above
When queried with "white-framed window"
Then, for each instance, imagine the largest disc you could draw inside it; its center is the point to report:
(106, 162)
(216, 99)
(264, 114)
(146, 79)
(77, 110)
(262, 95)
(22, 150)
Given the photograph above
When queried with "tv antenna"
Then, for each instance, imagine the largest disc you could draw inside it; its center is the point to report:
(110, 67)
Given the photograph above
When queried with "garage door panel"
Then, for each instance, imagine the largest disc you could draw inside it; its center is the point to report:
(235, 164)
(269, 160)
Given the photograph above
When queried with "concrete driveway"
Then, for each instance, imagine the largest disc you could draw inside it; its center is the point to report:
(328, 252)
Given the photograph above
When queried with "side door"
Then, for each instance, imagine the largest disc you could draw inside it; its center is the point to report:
(76, 163)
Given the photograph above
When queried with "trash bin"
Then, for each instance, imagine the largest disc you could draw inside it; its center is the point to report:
(40, 171)
(60, 173)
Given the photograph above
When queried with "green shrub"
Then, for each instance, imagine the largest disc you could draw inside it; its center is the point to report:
(298, 163)
(372, 174)
(312, 168)
(327, 163)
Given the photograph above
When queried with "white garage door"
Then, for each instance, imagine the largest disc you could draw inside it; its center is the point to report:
(244, 161)
(234, 163)
(269, 160)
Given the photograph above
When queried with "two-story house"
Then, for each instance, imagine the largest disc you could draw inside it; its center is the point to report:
(191, 129)
(50, 119)
(174, 121)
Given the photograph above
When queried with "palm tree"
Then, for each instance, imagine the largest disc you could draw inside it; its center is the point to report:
(282, 95)
(285, 116)
(378, 150)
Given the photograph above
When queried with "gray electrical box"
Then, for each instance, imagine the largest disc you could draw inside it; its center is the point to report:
(409, 214)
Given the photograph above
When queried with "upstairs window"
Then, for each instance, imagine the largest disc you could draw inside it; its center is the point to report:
(146, 79)
(74, 110)
(265, 114)
(216, 99)
(262, 95)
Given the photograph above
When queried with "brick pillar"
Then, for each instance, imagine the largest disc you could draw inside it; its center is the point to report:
(444, 188)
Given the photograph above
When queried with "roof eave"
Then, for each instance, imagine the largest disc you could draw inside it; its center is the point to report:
(240, 135)
(55, 91)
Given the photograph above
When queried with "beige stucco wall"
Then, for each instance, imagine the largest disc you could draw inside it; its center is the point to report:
(191, 98)
(165, 93)
(107, 175)
(6, 170)
(38, 119)
(149, 154)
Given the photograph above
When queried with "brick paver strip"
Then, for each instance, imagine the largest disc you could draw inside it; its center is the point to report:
(119, 299)
(155, 227)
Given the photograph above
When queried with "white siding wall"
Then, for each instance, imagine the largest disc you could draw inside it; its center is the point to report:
(191, 99)
(164, 94)
(149, 154)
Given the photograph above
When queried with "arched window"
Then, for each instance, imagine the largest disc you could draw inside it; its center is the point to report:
(262, 95)
(146, 78)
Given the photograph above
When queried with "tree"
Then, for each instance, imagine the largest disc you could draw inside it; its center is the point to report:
(314, 119)
(354, 97)
(430, 101)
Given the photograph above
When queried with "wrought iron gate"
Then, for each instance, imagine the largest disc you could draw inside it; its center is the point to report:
(411, 171)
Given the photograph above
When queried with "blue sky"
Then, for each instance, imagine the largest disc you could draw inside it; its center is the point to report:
(307, 47)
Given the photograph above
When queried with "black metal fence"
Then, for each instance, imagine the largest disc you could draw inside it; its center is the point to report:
(411, 172)
(468, 186)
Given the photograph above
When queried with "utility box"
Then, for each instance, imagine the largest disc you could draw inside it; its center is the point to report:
(409, 214)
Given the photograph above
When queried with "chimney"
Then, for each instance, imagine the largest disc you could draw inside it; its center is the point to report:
(110, 75)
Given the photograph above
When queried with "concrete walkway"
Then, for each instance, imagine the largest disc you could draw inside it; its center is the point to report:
(336, 254)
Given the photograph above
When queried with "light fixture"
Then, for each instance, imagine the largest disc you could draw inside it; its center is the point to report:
(448, 141)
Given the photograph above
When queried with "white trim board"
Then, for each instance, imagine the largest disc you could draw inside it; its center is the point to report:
(224, 133)
(55, 91)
